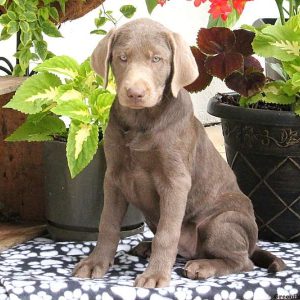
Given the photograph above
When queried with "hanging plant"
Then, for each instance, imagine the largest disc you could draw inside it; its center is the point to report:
(33, 18)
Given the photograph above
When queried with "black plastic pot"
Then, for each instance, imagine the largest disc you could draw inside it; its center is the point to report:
(263, 149)
(73, 206)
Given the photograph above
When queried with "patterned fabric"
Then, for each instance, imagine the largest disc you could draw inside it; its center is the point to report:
(41, 269)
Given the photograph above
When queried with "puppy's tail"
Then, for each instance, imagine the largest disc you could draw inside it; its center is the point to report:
(265, 259)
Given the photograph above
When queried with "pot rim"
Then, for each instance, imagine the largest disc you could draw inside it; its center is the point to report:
(251, 115)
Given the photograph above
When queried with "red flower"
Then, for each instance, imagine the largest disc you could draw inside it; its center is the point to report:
(239, 5)
(220, 8)
(161, 2)
(198, 2)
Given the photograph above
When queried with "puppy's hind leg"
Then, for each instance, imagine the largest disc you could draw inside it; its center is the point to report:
(228, 240)
(143, 249)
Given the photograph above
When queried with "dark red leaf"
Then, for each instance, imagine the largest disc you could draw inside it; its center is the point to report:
(246, 84)
(224, 64)
(251, 64)
(215, 40)
(243, 42)
(204, 78)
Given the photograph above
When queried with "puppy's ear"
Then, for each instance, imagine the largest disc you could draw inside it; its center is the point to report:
(185, 70)
(101, 57)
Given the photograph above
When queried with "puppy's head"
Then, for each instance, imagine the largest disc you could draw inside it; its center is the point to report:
(145, 57)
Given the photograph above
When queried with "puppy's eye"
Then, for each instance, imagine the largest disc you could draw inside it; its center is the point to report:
(123, 57)
(156, 59)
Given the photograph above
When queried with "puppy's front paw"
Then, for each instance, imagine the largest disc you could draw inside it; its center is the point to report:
(90, 268)
(152, 280)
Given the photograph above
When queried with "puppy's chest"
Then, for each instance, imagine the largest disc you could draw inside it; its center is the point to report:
(135, 175)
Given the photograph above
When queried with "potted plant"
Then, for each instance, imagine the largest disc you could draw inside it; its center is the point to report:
(63, 88)
(261, 123)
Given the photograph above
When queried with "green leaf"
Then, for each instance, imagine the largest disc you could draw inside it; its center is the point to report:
(12, 15)
(37, 129)
(54, 13)
(4, 34)
(101, 101)
(62, 4)
(128, 11)
(279, 41)
(37, 91)
(50, 29)
(246, 101)
(24, 56)
(292, 67)
(151, 4)
(4, 19)
(41, 49)
(231, 20)
(12, 27)
(2, 2)
(100, 21)
(296, 80)
(82, 145)
(30, 16)
(25, 37)
(99, 31)
(74, 109)
(24, 26)
(63, 65)
(44, 13)
(19, 3)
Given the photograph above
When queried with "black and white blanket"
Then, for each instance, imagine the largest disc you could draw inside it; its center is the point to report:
(41, 269)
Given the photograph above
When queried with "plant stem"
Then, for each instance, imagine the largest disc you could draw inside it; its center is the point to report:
(280, 9)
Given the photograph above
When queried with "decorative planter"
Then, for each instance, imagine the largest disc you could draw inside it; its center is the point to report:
(263, 149)
(73, 206)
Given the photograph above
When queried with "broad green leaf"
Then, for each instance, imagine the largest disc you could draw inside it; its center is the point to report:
(246, 101)
(63, 65)
(74, 109)
(151, 4)
(101, 102)
(66, 92)
(278, 99)
(62, 4)
(25, 37)
(24, 56)
(12, 15)
(50, 29)
(44, 13)
(54, 13)
(4, 34)
(279, 41)
(20, 3)
(12, 27)
(41, 49)
(82, 145)
(231, 20)
(34, 93)
(100, 21)
(30, 16)
(42, 129)
(296, 80)
(4, 19)
(292, 67)
(24, 26)
(99, 31)
(128, 11)
(2, 2)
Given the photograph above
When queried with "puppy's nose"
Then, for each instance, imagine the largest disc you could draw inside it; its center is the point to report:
(136, 94)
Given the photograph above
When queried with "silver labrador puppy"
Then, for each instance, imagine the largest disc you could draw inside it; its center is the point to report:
(160, 159)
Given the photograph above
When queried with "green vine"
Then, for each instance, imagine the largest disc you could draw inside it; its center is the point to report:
(31, 19)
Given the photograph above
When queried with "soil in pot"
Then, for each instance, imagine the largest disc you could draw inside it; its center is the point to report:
(263, 149)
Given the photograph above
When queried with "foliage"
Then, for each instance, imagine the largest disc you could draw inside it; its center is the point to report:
(283, 43)
(107, 16)
(227, 55)
(31, 19)
(63, 88)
